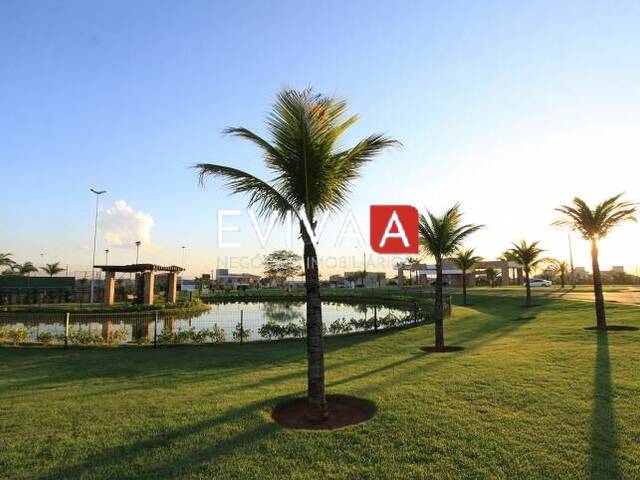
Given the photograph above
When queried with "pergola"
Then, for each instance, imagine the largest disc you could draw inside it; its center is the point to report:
(148, 271)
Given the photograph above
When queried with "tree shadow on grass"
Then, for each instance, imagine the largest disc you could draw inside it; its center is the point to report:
(192, 447)
(604, 433)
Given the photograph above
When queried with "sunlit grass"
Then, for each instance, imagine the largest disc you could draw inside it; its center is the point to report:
(533, 395)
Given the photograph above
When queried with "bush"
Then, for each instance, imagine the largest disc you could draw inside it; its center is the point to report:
(18, 335)
(117, 336)
(46, 338)
(271, 329)
(217, 334)
(166, 336)
(341, 325)
(84, 337)
(143, 340)
(240, 333)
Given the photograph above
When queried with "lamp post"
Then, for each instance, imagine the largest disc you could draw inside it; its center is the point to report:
(95, 241)
(138, 251)
(106, 257)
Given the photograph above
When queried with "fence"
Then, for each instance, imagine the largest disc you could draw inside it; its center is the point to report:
(225, 322)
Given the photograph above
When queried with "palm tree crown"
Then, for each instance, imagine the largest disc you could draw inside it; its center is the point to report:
(466, 259)
(309, 169)
(526, 254)
(52, 269)
(594, 224)
(443, 235)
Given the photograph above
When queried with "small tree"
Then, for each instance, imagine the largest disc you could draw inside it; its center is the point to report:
(52, 269)
(24, 269)
(282, 265)
(465, 260)
(440, 236)
(594, 224)
(529, 256)
(492, 276)
(560, 268)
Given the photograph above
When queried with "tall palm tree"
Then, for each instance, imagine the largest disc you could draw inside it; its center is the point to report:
(311, 174)
(529, 255)
(594, 224)
(52, 269)
(441, 236)
(465, 260)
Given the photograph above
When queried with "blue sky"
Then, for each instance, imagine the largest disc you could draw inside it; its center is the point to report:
(509, 107)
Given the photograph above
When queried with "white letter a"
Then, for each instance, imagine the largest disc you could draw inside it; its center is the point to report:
(394, 220)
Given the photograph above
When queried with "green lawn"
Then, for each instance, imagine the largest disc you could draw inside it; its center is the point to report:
(537, 397)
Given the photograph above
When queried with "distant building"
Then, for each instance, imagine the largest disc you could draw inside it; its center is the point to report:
(509, 273)
(617, 269)
(236, 281)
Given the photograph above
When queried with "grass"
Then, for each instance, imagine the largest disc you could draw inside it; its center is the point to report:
(532, 395)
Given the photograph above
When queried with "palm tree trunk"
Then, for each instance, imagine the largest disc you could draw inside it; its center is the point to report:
(315, 342)
(528, 287)
(464, 287)
(562, 280)
(597, 288)
(438, 308)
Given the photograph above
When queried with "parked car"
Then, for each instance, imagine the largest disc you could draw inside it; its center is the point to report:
(445, 283)
(538, 282)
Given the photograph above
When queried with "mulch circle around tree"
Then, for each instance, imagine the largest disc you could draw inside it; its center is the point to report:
(447, 349)
(615, 328)
(343, 411)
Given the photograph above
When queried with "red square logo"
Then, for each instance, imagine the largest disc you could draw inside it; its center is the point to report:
(393, 229)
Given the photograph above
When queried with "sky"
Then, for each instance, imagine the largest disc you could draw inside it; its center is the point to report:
(511, 108)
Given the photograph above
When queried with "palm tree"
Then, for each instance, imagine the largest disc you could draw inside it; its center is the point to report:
(465, 260)
(595, 224)
(441, 236)
(24, 269)
(311, 174)
(492, 275)
(561, 268)
(413, 262)
(529, 256)
(5, 260)
(52, 269)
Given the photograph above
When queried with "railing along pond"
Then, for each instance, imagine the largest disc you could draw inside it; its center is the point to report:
(225, 322)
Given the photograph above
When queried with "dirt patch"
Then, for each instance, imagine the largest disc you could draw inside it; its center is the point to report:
(343, 411)
(615, 328)
(440, 350)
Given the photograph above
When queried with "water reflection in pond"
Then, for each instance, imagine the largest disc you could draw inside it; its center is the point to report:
(223, 322)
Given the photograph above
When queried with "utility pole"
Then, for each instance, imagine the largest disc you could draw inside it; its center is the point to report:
(95, 241)
(573, 272)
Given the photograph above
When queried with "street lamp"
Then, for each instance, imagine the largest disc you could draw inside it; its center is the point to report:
(106, 257)
(138, 251)
(95, 241)
(182, 263)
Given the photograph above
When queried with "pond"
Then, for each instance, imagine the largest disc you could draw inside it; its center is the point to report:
(224, 322)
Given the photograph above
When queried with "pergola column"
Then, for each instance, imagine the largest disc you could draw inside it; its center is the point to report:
(149, 278)
(109, 288)
(505, 276)
(172, 287)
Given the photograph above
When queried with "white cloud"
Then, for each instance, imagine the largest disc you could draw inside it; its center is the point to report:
(122, 225)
